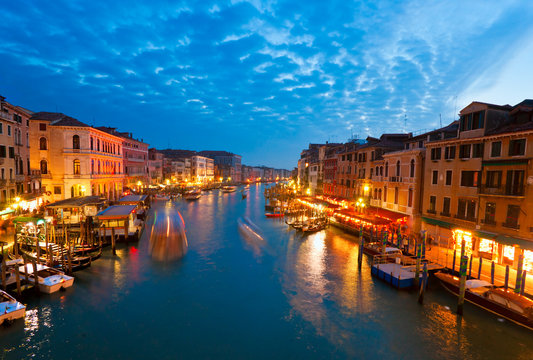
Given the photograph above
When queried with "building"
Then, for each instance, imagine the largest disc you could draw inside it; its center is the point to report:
(16, 178)
(135, 154)
(202, 169)
(75, 159)
(155, 166)
(477, 186)
(227, 165)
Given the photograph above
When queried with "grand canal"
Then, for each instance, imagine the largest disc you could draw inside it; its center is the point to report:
(231, 297)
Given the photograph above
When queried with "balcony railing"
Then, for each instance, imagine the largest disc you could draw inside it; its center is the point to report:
(467, 218)
(502, 190)
(4, 115)
(488, 221)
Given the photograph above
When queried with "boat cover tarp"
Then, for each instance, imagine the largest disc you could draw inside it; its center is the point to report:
(116, 212)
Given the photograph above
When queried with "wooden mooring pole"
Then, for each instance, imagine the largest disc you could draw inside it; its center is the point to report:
(424, 284)
(462, 284)
(518, 282)
(523, 288)
(4, 270)
(361, 247)
(418, 260)
(492, 271)
(479, 269)
(113, 245)
(506, 283)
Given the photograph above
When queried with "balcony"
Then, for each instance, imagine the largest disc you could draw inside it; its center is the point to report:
(395, 179)
(447, 214)
(488, 221)
(20, 178)
(429, 211)
(3, 182)
(511, 225)
(502, 190)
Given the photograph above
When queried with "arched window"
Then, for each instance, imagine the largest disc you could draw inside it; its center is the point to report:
(386, 169)
(381, 170)
(75, 142)
(76, 164)
(44, 167)
(98, 166)
(42, 143)
(412, 168)
(92, 166)
(398, 168)
(98, 144)
(92, 143)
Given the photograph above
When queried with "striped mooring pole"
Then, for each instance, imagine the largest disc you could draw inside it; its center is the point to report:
(462, 284)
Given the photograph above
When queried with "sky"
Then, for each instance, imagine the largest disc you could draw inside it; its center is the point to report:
(263, 79)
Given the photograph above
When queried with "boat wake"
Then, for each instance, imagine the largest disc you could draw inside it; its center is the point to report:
(168, 241)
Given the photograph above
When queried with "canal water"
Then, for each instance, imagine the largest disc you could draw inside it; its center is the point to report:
(230, 296)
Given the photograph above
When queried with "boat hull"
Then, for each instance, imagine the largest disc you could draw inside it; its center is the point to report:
(489, 305)
(13, 315)
(49, 289)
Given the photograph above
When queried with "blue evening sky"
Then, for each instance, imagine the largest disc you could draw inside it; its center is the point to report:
(264, 78)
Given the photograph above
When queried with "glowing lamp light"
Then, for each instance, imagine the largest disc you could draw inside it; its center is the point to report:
(366, 188)
(17, 199)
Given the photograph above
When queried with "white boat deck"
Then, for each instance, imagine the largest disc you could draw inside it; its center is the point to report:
(397, 270)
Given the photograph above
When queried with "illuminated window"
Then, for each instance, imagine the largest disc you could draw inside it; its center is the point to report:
(76, 164)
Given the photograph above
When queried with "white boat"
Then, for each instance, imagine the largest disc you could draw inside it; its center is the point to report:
(50, 280)
(10, 309)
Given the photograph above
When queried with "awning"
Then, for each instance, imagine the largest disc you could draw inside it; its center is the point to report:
(116, 212)
(27, 219)
(512, 241)
(132, 199)
(387, 214)
(76, 202)
(442, 224)
(374, 220)
(484, 234)
(505, 162)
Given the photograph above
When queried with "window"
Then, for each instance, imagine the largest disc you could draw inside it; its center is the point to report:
(76, 164)
(466, 209)
(477, 150)
(446, 206)
(1, 128)
(75, 142)
(449, 152)
(2, 151)
(432, 204)
(92, 143)
(343, 158)
(396, 195)
(494, 179)
(472, 121)
(57, 190)
(44, 167)
(434, 177)
(448, 177)
(496, 149)
(515, 182)
(42, 127)
(490, 213)
(385, 194)
(386, 169)
(11, 152)
(9, 130)
(349, 157)
(513, 211)
(464, 151)
(421, 144)
(412, 168)
(410, 198)
(3, 173)
(42, 143)
(435, 153)
(517, 147)
(98, 144)
(469, 178)
(398, 169)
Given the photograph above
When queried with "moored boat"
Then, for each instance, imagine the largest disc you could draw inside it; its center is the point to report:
(10, 308)
(273, 214)
(50, 280)
(498, 300)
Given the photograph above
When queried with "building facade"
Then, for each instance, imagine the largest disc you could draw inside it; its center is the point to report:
(75, 159)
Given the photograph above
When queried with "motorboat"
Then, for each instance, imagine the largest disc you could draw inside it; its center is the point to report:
(10, 308)
(49, 279)
(228, 189)
(162, 197)
(192, 195)
(274, 214)
(496, 299)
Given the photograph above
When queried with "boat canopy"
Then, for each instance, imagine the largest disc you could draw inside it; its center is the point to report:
(132, 199)
(6, 211)
(116, 212)
(77, 202)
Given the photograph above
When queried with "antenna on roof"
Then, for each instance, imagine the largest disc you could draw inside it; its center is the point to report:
(454, 109)
(404, 122)
(440, 120)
